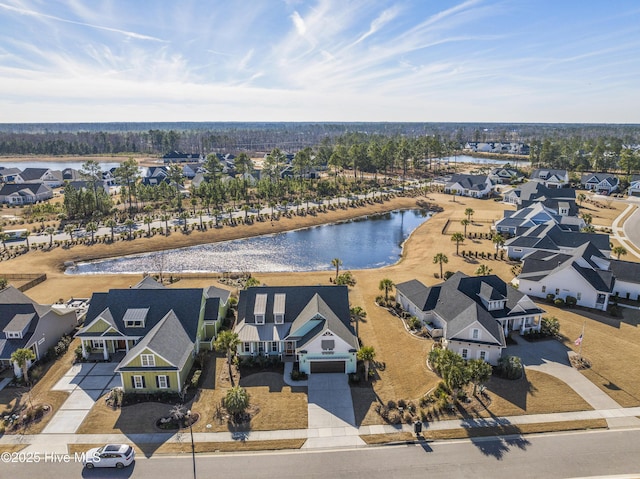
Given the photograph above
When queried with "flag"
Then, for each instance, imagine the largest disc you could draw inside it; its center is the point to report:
(578, 341)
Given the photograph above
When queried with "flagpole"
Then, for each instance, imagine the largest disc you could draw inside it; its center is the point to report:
(582, 340)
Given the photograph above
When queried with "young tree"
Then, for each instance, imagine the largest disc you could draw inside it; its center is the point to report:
(385, 285)
(498, 240)
(111, 223)
(237, 401)
(619, 251)
(483, 270)
(22, 357)
(469, 212)
(357, 314)
(366, 354)
(479, 372)
(49, 230)
(458, 238)
(227, 341)
(336, 263)
(91, 227)
(465, 222)
(440, 258)
(26, 235)
(92, 172)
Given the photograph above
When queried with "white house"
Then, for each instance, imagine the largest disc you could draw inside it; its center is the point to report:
(309, 325)
(25, 193)
(551, 178)
(584, 275)
(514, 222)
(627, 279)
(634, 188)
(602, 183)
(51, 178)
(474, 313)
(477, 186)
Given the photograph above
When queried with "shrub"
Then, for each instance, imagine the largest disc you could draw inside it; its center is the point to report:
(558, 302)
(448, 274)
(402, 403)
(414, 323)
(510, 367)
(550, 326)
(551, 297)
(391, 404)
(195, 379)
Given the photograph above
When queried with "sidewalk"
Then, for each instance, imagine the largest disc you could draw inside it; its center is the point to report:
(57, 443)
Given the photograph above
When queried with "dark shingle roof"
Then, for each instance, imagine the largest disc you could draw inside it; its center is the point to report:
(625, 271)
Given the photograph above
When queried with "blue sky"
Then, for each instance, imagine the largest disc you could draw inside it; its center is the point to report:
(322, 60)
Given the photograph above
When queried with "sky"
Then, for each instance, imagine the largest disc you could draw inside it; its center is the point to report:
(560, 61)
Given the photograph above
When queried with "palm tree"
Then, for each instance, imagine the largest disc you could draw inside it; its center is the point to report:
(458, 238)
(129, 223)
(587, 218)
(25, 235)
(166, 219)
(147, 221)
(227, 341)
(50, 230)
(619, 251)
(483, 270)
(479, 371)
(3, 238)
(440, 258)
(581, 198)
(386, 284)
(336, 262)
(246, 209)
(498, 240)
(69, 229)
(465, 222)
(91, 227)
(236, 401)
(469, 212)
(184, 216)
(366, 354)
(357, 314)
(111, 223)
(22, 357)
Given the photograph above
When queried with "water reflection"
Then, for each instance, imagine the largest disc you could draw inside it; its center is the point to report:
(369, 242)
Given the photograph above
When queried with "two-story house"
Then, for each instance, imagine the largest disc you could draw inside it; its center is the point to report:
(551, 178)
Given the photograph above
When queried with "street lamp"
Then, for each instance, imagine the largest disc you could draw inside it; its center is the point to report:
(193, 447)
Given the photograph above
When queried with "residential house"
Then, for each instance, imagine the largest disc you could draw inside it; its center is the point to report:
(634, 188)
(182, 157)
(71, 174)
(601, 183)
(551, 178)
(190, 170)
(477, 186)
(505, 176)
(584, 275)
(474, 313)
(516, 222)
(24, 193)
(551, 238)
(29, 325)
(155, 175)
(51, 178)
(8, 175)
(627, 279)
(157, 332)
(309, 325)
(560, 200)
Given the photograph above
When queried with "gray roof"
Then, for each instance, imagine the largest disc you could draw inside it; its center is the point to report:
(625, 271)
(470, 182)
(19, 322)
(148, 283)
(26, 188)
(330, 304)
(598, 177)
(168, 339)
(545, 173)
(541, 264)
(32, 174)
(551, 237)
(458, 301)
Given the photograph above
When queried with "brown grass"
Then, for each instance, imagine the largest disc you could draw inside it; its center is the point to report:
(184, 447)
(12, 447)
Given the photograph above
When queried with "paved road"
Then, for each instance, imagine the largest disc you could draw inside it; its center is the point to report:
(580, 454)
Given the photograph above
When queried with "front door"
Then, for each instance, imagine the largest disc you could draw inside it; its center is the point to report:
(289, 349)
(121, 344)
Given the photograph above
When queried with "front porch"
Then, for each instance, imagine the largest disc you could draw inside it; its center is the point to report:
(103, 349)
(99, 357)
(521, 325)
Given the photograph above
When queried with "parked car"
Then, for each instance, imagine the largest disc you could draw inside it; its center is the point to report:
(111, 455)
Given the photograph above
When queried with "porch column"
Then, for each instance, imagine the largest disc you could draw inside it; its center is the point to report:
(126, 345)
(84, 350)
(105, 352)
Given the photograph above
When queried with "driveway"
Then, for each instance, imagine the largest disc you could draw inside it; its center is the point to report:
(331, 420)
(86, 382)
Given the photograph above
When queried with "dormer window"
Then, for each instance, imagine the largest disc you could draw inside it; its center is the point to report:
(13, 335)
(135, 317)
(260, 308)
(278, 307)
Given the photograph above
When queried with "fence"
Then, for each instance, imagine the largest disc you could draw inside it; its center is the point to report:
(32, 279)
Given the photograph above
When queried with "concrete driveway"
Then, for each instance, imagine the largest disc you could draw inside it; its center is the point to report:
(86, 382)
(331, 420)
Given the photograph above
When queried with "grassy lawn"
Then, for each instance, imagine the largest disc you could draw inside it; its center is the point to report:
(611, 344)
(274, 406)
(15, 399)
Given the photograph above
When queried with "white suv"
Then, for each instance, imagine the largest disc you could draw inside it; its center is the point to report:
(111, 455)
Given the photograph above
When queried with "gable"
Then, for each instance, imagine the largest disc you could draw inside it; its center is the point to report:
(98, 325)
(136, 361)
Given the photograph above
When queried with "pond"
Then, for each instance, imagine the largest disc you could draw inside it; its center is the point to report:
(484, 161)
(368, 242)
(55, 165)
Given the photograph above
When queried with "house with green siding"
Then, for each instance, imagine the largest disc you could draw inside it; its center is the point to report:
(152, 333)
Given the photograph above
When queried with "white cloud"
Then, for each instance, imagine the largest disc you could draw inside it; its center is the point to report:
(298, 22)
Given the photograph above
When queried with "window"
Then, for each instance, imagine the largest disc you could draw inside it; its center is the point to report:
(464, 353)
(279, 318)
(557, 291)
(247, 347)
(259, 318)
(162, 382)
(475, 334)
(261, 347)
(544, 288)
(483, 355)
(133, 324)
(147, 360)
(274, 347)
(138, 382)
(328, 344)
(14, 335)
(579, 296)
(97, 343)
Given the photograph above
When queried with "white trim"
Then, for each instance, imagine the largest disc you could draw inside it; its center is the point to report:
(161, 378)
(150, 359)
(138, 382)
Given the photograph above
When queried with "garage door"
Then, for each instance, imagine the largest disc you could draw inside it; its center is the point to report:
(327, 367)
